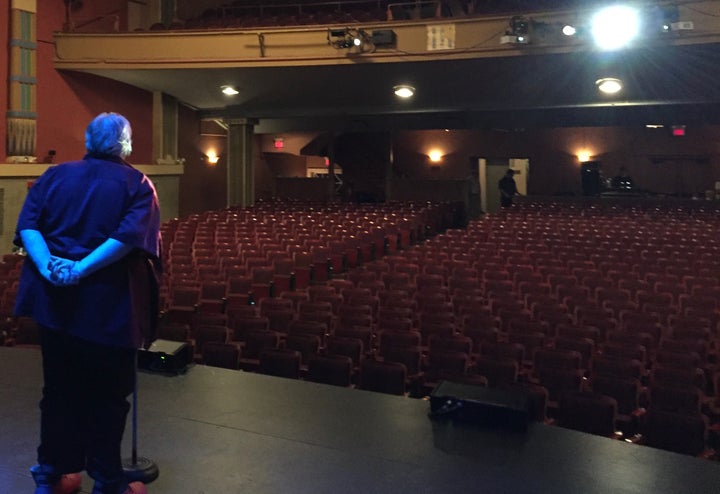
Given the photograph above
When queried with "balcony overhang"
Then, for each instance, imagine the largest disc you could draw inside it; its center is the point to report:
(294, 74)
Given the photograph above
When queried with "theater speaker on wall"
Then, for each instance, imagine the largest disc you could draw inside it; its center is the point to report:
(590, 178)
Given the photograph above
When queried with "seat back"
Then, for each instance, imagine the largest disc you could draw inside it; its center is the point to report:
(383, 377)
(280, 362)
(330, 369)
(588, 412)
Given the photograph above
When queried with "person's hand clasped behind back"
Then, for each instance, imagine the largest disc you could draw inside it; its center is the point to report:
(63, 272)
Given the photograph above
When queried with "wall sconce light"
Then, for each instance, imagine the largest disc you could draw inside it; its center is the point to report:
(584, 156)
(435, 156)
(212, 158)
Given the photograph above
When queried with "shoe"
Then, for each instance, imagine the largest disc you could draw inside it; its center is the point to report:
(132, 488)
(68, 484)
(49, 483)
(136, 488)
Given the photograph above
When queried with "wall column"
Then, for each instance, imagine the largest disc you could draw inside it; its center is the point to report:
(331, 194)
(239, 160)
(165, 128)
(22, 102)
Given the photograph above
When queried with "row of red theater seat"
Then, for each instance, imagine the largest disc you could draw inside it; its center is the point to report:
(288, 238)
(495, 367)
(474, 229)
(498, 339)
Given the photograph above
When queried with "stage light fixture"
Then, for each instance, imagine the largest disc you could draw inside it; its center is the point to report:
(519, 25)
(615, 26)
(518, 33)
(356, 40)
(569, 30)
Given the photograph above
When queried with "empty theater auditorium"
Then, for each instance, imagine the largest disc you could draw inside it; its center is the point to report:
(404, 246)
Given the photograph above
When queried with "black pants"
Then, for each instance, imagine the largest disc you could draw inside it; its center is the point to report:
(84, 407)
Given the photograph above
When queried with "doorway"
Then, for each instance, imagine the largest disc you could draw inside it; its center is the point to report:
(491, 170)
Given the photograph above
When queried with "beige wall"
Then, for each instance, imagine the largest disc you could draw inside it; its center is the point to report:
(14, 180)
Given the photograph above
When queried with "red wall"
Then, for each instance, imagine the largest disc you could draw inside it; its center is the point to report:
(203, 185)
(4, 28)
(66, 102)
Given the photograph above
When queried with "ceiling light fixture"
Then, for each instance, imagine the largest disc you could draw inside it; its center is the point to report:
(404, 91)
(229, 90)
(609, 85)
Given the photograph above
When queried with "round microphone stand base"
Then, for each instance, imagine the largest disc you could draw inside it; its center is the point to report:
(141, 470)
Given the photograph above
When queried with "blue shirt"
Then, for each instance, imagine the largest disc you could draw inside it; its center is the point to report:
(77, 206)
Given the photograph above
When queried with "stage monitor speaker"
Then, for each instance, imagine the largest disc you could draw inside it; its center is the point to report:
(165, 356)
(503, 408)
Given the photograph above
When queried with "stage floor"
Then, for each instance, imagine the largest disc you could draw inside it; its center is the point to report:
(219, 431)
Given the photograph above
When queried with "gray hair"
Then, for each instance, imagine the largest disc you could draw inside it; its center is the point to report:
(109, 134)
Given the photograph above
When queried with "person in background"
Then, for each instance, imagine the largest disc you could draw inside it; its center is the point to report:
(91, 229)
(622, 181)
(508, 189)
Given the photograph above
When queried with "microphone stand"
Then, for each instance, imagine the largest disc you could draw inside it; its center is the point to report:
(138, 469)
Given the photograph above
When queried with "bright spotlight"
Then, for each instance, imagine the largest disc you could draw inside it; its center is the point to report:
(614, 27)
(569, 30)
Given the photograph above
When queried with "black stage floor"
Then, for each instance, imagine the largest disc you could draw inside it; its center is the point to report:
(219, 431)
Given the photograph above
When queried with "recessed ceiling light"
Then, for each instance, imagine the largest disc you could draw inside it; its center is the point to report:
(609, 85)
(229, 90)
(404, 91)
